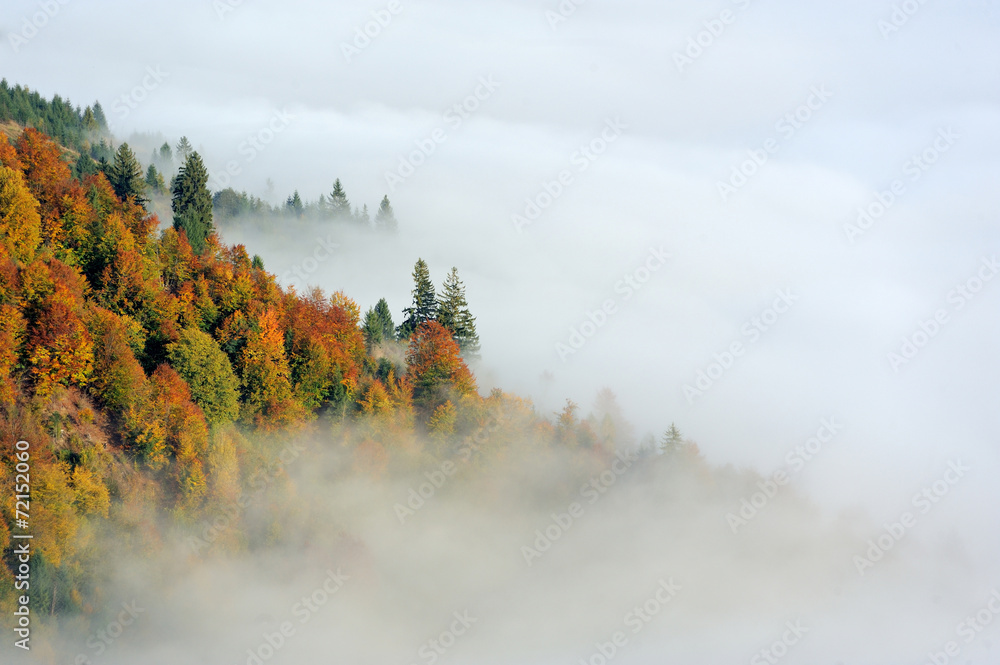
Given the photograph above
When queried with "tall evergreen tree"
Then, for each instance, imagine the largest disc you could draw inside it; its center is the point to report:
(384, 315)
(102, 121)
(89, 121)
(453, 314)
(424, 301)
(154, 180)
(385, 219)
(293, 205)
(340, 207)
(671, 441)
(125, 176)
(184, 149)
(166, 157)
(85, 165)
(372, 328)
(192, 202)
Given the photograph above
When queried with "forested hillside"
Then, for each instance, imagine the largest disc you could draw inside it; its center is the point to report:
(156, 372)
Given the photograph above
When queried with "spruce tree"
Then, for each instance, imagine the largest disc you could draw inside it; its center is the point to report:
(125, 176)
(192, 202)
(384, 315)
(385, 219)
(154, 180)
(293, 204)
(453, 314)
(89, 121)
(364, 219)
(424, 301)
(85, 166)
(166, 157)
(340, 207)
(671, 441)
(102, 121)
(372, 328)
(184, 149)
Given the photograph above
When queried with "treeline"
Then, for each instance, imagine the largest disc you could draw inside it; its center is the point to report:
(69, 125)
(335, 206)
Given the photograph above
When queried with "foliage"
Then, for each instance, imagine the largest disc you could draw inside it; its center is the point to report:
(202, 364)
(424, 307)
(192, 203)
(453, 314)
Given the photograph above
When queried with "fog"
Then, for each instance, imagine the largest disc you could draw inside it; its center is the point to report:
(897, 114)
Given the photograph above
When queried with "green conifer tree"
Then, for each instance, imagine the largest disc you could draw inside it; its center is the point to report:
(192, 202)
(125, 176)
(184, 149)
(385, 218)
(453, 314)
(385, 319)
(154, 180)
(671, 441)
(371, 327)
(340, 207)
(424, 301)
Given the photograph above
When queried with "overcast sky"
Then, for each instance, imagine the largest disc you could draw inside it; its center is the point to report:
(833, 100)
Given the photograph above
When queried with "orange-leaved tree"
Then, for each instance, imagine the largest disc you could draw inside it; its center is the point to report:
(435, 368)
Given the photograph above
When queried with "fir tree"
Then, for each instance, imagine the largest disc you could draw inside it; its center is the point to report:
(671, 441)
(293, 204)
(340, 207)
(154, 180)
(453, 314)
(385, 219)
(102, 121)
(364, 219)
(125, 176)
(385, 319)
(89, 121)
(424, 301)
(372, 328)
(85, 166)
(183, 149)
(166, 157)
(192, 202)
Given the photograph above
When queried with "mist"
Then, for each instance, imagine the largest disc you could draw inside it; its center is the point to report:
(821, 182)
